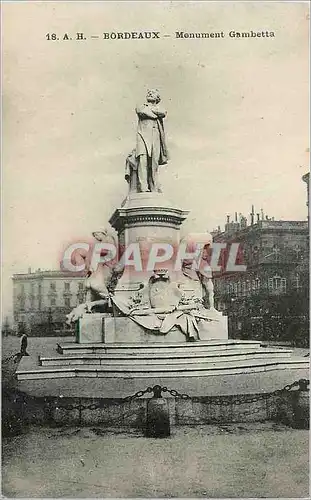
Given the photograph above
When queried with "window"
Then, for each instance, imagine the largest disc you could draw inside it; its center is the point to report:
(53, 286)
(53, 301)
(67, 287)
(283, 285)
(297, 251)
(270, 284)
(276, 253)
(81, 298)
(67, 302)
(296, 282)
(80, 286)
(277, 284)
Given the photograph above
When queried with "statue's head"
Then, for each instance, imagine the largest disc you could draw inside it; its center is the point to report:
(159, 275)
(153, 95)
(100, 235)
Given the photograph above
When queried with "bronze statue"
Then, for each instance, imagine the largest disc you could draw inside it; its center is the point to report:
(142, 164)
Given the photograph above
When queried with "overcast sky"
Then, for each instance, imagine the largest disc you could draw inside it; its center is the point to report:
(237, 124)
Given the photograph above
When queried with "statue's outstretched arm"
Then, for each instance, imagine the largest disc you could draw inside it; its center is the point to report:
(145, 112)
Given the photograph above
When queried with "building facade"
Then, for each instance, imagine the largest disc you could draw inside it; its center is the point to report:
(41, 300)
(270, 300)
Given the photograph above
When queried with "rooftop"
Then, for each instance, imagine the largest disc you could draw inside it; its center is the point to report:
(49, 273)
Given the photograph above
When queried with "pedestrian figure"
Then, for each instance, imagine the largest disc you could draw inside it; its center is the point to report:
(24, 343)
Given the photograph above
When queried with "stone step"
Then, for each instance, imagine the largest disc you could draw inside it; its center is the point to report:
(150, 371)
(187, 347)
(164, 358)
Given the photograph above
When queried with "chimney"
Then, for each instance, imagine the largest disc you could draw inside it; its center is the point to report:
(236, 217)
(252, 215)
(258, 217)
(227, 225)
(29, 270)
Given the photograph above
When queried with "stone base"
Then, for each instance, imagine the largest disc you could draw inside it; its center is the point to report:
(90, 329)
(127, 331)
(217, 329)
(102, 327)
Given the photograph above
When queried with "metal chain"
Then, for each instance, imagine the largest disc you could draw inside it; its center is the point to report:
(96, 406)
(16, 355)
(234, 400)
(215, 400)
(137, 395)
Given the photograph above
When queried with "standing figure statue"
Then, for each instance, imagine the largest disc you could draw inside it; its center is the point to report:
(142, 164)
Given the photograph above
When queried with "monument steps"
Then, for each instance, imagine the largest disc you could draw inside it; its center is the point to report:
(149, 371)
(164, 358)
(155, 348)
(156, 361)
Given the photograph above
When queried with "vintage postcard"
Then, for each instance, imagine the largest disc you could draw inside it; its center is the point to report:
(155, 297)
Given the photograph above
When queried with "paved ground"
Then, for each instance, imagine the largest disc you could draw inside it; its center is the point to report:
(232, 461)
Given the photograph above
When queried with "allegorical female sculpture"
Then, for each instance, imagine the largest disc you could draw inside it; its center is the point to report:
(142, 164)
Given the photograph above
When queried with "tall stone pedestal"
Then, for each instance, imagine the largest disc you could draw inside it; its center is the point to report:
(147, 218)
(147, 214)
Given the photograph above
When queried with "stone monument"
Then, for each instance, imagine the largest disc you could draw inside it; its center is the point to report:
(156, 323)
(161, 304)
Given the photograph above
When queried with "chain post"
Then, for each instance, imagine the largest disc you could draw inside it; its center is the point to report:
(158, 418)
(303, 384)
(157, 391)
(301, 408)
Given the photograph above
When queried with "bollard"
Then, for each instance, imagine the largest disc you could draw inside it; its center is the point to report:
(158, 419)
(301, 409)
